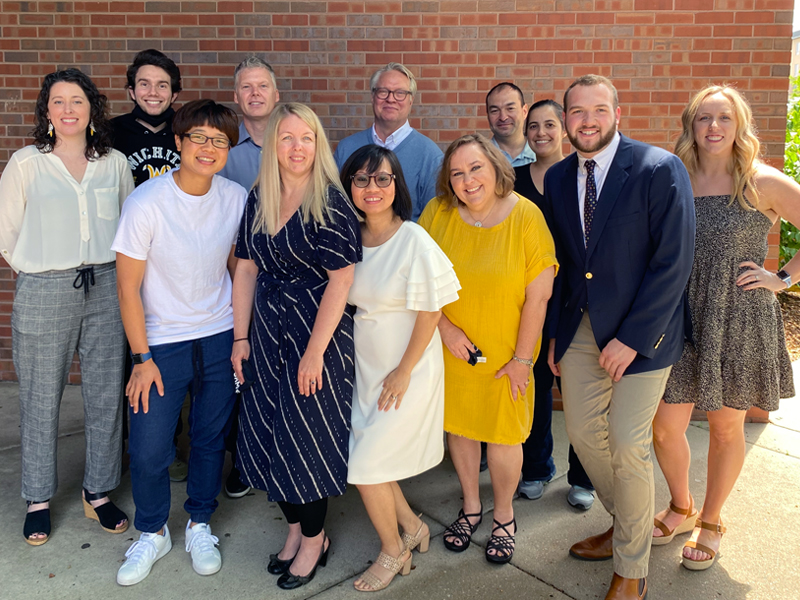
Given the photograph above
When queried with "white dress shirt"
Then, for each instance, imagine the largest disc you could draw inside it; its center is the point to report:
(49, 221)
(603, 160)
(394, 139)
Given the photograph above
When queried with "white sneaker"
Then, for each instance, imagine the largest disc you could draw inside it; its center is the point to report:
(141, 556)
(206, 559)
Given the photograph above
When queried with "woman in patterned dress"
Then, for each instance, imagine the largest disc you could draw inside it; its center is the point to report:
(737, 356)
(298, 244)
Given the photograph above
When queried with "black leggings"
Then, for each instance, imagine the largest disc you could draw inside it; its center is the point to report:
(311, 515)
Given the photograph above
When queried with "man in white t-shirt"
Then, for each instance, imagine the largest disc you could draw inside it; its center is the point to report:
(175, 262)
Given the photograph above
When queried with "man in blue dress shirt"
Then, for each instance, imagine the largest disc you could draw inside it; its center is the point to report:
(506, 111)
(256, 93)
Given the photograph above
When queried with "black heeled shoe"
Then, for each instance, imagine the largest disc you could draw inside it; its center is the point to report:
(503, 546)
(278, 566)
(461, 529)
(290, 581)
(108, 515)
(37, 521)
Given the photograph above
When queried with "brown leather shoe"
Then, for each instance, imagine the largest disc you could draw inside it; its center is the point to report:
(627, 589)
(596, 547)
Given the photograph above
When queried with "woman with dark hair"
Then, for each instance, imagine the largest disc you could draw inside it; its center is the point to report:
(175, 256)
(504, 257)
(59, 206)
(298, 244)
(544, 130)
(736, 357)
(399, 289)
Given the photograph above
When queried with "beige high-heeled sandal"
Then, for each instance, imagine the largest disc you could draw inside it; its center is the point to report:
(418, 540)
(390, 563)
(702, 565)
(684, 526)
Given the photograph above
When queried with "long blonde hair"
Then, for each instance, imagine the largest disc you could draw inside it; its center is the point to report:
(323, 173)
(744, 161)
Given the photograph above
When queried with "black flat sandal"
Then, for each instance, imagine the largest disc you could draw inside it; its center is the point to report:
(108, 515)
(461, 529)
(503, 546)
(278, 566)
(37, 521)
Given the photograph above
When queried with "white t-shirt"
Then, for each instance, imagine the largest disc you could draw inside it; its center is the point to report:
(186, 241)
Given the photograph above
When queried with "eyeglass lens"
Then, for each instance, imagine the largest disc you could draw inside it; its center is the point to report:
(382, 180)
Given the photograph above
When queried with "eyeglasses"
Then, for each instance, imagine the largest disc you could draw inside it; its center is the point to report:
(200, 139)
(383, 94)
(382, 180)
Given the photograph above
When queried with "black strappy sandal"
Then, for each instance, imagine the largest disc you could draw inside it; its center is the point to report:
(461, 529)
(108, 515)
(37, 521)
(503, 546)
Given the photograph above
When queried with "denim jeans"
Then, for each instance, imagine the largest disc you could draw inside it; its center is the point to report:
(203, 368)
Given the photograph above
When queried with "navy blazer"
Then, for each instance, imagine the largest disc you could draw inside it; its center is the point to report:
(632, 277)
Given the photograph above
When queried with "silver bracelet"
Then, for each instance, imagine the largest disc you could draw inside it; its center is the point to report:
(527, 362)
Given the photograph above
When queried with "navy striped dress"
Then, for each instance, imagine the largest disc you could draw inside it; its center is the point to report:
(293, 447)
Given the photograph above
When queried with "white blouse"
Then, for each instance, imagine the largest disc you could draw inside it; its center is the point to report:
(50, 221)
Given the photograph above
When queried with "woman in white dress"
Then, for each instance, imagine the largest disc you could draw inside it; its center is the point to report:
(398, 407)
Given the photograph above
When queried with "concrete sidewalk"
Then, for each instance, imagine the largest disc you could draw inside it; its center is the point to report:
(759, 558)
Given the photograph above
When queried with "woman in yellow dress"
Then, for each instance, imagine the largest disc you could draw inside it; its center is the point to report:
(505, 259)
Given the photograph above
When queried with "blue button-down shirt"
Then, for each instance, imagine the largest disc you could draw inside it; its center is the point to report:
(244, 160)
(525, 157)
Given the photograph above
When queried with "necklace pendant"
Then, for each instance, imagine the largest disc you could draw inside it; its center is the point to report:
(478, 224)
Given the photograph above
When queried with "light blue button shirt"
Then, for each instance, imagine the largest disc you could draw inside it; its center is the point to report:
(525, 157)
(244, 160)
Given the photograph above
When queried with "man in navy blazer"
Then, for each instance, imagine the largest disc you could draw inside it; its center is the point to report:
(622, 216)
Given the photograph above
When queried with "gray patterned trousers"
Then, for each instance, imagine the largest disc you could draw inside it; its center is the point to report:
(52, 319)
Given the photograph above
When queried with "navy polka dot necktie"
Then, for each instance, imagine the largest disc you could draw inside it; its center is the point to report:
(590, 202)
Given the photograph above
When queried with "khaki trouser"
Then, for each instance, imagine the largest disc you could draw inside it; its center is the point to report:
(611, 427)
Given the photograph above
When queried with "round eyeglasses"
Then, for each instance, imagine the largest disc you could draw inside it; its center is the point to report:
(382, 180)
(383, 94)
(200, 139)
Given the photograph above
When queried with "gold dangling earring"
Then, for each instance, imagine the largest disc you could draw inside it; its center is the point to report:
(49, 129)
(91, 127)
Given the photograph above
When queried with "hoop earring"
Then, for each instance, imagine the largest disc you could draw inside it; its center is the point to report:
(49, 129)
(91, 127)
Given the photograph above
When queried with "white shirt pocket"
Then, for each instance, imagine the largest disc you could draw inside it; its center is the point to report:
(107, 203)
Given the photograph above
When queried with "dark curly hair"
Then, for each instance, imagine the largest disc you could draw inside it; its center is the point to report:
(97, 145)
(157, 59)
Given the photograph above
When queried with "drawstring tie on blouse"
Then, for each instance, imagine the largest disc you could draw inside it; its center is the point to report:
(84, 279)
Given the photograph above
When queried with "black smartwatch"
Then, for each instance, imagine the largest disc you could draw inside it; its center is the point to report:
(141, 358)
(785, 277)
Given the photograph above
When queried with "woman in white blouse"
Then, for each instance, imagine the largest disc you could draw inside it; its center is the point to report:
(399, 289)
(60, 201)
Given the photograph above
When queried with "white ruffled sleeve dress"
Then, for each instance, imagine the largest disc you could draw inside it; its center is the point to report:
(406, 274)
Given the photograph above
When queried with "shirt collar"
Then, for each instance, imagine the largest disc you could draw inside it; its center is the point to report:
(526, 153)
(603, 158)
(392, 139)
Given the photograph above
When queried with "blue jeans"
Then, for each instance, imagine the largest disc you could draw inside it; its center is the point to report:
(537, 451)
(201, 367)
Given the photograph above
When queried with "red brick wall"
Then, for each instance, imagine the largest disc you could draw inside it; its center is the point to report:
(656, 51)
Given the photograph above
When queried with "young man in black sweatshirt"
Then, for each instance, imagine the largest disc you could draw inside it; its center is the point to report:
(144, 135)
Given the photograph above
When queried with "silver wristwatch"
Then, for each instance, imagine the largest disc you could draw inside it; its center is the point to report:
(785, 277)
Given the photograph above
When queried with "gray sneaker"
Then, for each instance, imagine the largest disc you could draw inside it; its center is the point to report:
(532, 490)
(580, 497)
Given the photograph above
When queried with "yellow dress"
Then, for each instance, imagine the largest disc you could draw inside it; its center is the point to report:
(494, 266)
